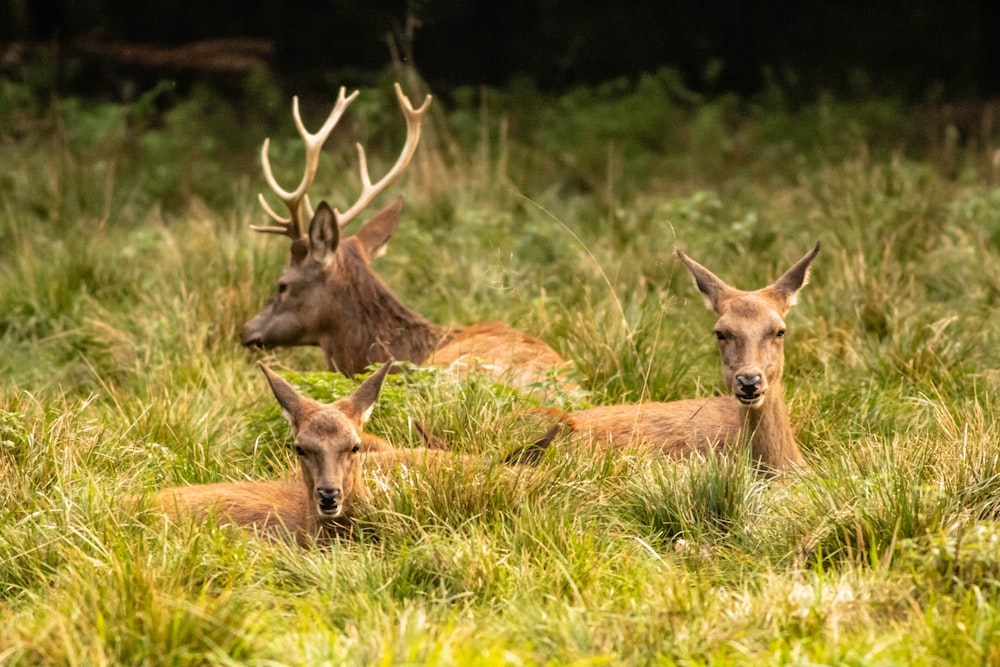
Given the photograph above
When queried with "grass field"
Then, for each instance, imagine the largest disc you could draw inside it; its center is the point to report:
(127, 268)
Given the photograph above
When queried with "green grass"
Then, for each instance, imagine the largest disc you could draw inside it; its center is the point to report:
(127, 268)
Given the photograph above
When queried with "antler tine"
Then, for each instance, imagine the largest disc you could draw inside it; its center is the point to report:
(284, 228)
(369, 191)
(297, 200)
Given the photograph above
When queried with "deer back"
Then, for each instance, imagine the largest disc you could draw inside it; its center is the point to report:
(276, 508)
(676, 429)
(497, 348)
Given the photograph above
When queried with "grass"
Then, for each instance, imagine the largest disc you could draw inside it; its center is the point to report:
(127, 269)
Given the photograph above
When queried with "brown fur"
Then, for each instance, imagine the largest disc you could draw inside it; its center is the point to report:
(330, 297)
(275, 508)
(676, 429)
(499, 349)
(750, 329)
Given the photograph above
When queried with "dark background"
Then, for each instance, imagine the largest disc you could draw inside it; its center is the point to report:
(948, 50)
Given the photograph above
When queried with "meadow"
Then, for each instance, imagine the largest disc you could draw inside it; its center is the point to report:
(127, 268)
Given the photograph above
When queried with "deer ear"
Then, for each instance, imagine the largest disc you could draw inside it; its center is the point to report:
(324, 234)
(785, 289)
(428, 439)
(290, 400)
(377, 231)
(710, 285)
(362, 402)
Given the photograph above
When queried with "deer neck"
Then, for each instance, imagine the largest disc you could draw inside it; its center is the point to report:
(772, 441)
(374, 325)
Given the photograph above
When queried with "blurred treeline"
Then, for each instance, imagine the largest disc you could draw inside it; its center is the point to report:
(919, 51)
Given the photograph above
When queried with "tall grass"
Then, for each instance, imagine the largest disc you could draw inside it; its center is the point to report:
(127, 268)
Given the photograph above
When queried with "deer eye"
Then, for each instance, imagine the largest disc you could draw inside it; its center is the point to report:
(299, 451)
(719, 335)
(780, 333)
(355, 449)
(282, 287)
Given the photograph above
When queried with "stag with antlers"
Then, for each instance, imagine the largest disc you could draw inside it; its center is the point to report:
(328, 295)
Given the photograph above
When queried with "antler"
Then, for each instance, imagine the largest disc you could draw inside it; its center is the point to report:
(369, 191)
(297, 200)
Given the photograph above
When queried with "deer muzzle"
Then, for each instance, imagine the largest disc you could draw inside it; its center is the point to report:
(328, 501)
(250, 336)
(749, 389)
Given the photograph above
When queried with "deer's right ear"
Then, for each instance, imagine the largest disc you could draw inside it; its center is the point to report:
(708, 283)
(374, 235)
(289, 399)
(324, 234)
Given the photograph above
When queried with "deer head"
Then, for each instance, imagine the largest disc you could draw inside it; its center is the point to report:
(326, 274)
(320, 292)
(328, 440)
(751, 328)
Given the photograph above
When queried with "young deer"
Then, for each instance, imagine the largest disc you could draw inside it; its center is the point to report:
(333, 456)
(328, 296)
(750, 330)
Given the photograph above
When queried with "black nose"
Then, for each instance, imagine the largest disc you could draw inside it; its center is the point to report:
(748, 385)
(328, 497)
(251, 340)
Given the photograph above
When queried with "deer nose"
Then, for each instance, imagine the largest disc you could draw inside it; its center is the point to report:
(328, 498)
(748, 385)
(250, 338)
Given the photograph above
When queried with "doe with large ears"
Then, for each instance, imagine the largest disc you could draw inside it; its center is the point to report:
(328, 295)
(333, 454)
(750, 330)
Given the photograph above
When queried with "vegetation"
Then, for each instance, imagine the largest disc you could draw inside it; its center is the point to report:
(127, 268)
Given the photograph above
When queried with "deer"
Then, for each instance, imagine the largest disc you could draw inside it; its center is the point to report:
(328, 443)
(750, 331)
(336, 460)
(329, 296)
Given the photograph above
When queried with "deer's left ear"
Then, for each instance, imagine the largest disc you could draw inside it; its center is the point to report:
(377, 231)
(785, 290)
(361, 403)
(324, 234)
